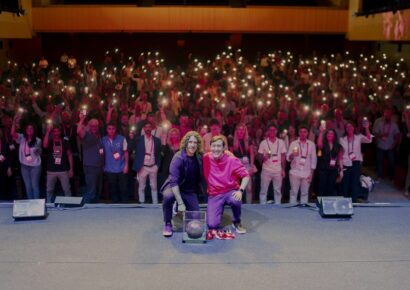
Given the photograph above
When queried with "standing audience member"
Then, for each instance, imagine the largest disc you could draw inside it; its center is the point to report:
(406, 146)
(352, 160)
(387, 135)
(30, 158)
(330, 163)
(272, 151)
(59, 162)
(115, 150)
(302, 155)
(5, 167)
(93, 159)
(147, 161)
(243, 149)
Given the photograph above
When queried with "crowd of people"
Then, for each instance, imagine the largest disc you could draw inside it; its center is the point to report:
(296, 122)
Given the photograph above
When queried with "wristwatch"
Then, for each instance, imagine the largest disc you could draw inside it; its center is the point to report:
(241, 190)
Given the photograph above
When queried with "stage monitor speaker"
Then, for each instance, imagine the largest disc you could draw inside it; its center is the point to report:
(29, 209)
(237, 3)
(68, 201)
(145, 3)
(335, 206)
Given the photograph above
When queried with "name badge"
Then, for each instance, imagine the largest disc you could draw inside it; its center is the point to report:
(116, 155)
(2, 158)
(12, 147)
(352, 156)
(275, 158)
(101, 151)
(66, 138)
(29, 158)
(332, 162)
(302, 161)
(57, 161)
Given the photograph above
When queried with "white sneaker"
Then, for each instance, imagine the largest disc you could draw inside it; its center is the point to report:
(239, 228)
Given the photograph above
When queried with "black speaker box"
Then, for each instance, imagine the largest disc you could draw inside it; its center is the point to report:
(29, 209)
(68, 201)
(335, 206)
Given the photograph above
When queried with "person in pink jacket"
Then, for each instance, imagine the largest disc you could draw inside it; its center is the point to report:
(222, 172)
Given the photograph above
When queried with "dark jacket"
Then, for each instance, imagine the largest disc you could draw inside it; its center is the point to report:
(140, 153)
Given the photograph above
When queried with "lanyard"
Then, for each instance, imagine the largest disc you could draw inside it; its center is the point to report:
(347, 138)
(60, 145)
(307, 149)
(152, 147)
(65, 133)
(112, 147)
(277, 147)
(26, 148)
(386, 132)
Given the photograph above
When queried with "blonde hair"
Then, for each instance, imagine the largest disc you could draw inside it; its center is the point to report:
(245, 138)
(169, 134)
(220, 137)
(184, 141)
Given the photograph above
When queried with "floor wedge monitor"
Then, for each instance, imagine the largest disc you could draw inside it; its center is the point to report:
(335, 206)
(29, 209)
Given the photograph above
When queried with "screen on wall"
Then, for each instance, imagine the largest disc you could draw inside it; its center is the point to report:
(382, 26)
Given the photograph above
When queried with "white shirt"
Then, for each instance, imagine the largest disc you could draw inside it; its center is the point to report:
(303, 164)
(275, 150)
(149, 158)
(30, 156)
(354, 147)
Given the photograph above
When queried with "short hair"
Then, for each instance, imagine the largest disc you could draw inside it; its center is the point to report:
(217, 138)
(112, 124)
(303, 127)
(184, 141)
(146, 122)
(93, 122)
(213, 122)
(271, 124)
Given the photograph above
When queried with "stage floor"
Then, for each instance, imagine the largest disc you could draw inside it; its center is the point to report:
(121, 247)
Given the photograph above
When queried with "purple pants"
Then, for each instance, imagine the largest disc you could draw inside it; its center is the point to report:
(190, 200)
(215, 209)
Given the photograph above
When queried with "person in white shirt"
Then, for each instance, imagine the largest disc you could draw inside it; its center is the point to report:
(302, 155)
(272, 152)
(352, 159)
(387, 135)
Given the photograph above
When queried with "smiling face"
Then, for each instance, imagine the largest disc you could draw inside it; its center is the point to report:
(241, 132)
(192, 146)
(29, 130)
(217, 149)
(330, 136)
(272, 132)
(349, 129)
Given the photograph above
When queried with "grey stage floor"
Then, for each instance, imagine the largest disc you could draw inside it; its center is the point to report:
(286, 248)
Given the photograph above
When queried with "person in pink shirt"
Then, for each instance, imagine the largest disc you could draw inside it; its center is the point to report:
(222, 172)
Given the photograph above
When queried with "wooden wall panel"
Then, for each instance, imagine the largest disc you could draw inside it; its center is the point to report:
(13, 26)
(189, 19)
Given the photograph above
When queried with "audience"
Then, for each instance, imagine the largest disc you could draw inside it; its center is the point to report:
(143, 105)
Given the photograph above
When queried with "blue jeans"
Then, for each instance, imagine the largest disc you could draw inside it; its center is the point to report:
(94, 183)
(31, 176)
(381, 154)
